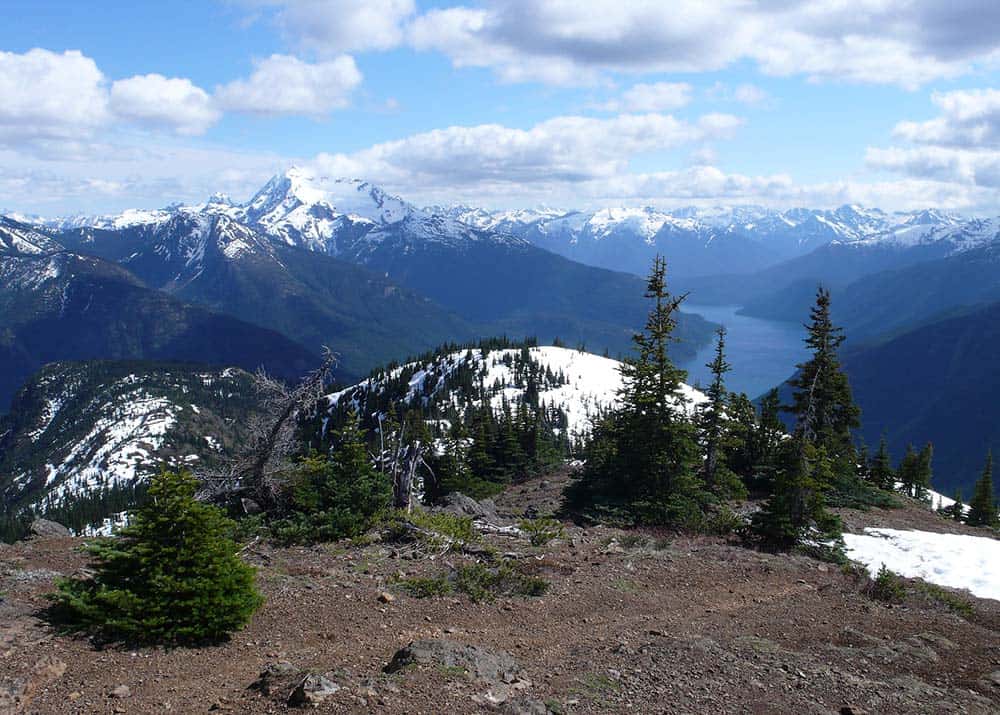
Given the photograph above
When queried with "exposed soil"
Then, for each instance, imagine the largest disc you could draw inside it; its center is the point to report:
(678, 625)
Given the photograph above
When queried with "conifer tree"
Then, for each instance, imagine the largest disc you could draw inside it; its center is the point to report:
(644, 455)
(173, 576)
(957, 510)
(716, 437)
(881, 473)
(983, 506)
(822, 402)
(907, 471)
(820, 451)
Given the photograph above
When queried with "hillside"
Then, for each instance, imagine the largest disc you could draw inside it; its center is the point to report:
(67, 306)
(82, 438)
(630, 622)
(935, 383)
(575, 386)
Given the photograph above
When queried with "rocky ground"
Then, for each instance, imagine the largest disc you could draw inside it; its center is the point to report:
(643, 623)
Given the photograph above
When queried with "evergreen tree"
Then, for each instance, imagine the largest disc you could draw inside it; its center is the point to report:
(881, 473)
(336, 496)
(822, 402)
(172, 576)
(644, 455)
(907, 472)
(820, 452)
(716, 436)
(982, 506)
(957, 510)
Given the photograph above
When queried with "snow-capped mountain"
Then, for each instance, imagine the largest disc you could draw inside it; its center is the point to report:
(18, 238)
(84, 430)
(700, 241)
(578, 385)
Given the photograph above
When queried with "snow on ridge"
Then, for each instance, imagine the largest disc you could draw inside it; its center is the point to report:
(952, 560)
(592, 385)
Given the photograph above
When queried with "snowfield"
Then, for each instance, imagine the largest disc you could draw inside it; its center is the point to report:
(953, 560)
(592, 382)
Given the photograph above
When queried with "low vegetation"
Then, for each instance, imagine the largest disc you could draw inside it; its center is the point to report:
(173, 576)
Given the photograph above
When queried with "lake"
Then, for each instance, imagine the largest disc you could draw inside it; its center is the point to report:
(763, 353)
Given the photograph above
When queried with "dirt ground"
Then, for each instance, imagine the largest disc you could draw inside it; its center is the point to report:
(672, 625)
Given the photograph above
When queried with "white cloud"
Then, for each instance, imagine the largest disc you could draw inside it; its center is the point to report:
(50, 96)
(655, 97)
(980, 168)
(750, 94)
(160, 101)
(331, 27)
(562, 149)
(875, 41)
(282, 84)
(962, 145)
(970, 118)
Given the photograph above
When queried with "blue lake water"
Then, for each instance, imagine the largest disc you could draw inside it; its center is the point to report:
(763, 353)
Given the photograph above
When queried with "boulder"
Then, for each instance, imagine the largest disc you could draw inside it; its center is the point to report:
(481, 664)
(277, 678)
(461, 505)
(44, 529)
(312, 690)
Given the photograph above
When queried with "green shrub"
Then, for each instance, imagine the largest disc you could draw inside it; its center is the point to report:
(335, 497)
(435, 530)
(887, 586)
(542, 531)
(173, 576)
(481, 583)
(953, 601)
(723, 521)
(426, 587)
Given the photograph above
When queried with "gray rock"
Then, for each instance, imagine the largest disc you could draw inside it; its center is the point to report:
(312, 690)
(277, 678)
(122, 691)
(484, 665)
(462, 505)
(44, 528)
(524, 706)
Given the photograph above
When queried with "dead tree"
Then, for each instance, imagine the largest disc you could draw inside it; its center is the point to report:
(258, 470)
(401, 461)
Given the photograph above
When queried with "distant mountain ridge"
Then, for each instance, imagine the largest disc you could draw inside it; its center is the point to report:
(479, 282)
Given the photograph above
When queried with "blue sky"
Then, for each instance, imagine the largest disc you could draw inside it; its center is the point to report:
(504, 103)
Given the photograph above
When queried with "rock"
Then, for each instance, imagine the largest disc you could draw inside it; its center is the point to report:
(851, 710)
(524, 706)
(386, 597)
(481, 664)
(312, 690)
(121, 692)
(461, 505)
(277, 678)
(46, 529)
(994, 678)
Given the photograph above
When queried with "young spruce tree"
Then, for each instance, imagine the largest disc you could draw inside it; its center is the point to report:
(821, 451)
(983, 506)
(716, 438)
(173, 576)
(643, 457)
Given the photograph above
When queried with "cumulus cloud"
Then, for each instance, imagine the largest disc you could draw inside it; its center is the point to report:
(171, 102)
(970, 118)
(962, 145)
(49, 95)
(282, 84)
(874, 41)
(562, 149)
(655, 97)
(331, 27)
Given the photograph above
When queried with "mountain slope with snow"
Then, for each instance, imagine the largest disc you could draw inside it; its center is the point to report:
(79, 432)
(578, 385)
